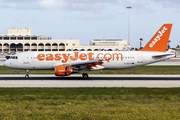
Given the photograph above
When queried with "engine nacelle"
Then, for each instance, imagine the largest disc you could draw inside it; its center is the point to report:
(63, 70)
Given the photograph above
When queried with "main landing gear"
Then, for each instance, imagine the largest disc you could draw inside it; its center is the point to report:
(85, 75)
(27, 74)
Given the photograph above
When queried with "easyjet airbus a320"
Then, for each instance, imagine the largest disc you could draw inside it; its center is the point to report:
(68, 62)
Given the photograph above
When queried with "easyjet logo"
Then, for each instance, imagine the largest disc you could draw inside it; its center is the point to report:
(64, 57)
(158, 37)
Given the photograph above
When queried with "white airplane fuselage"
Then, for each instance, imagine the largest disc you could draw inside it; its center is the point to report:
(64, 63)
(110, 59)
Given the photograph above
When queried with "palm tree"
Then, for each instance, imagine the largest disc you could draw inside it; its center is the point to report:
(177, 46)
(141, 42)
(169, 44)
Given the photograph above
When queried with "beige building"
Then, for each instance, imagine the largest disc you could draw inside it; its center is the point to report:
(22, 40)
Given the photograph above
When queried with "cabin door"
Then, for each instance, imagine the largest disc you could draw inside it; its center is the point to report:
(26, 58)
(140, 58)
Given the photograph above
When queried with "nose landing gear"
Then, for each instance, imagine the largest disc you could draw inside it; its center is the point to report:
(27, 74)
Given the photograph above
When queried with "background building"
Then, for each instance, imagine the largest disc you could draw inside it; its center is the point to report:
(114, 44)
(22, 40)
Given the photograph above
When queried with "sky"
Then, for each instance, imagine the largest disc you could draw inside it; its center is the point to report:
(92, 19)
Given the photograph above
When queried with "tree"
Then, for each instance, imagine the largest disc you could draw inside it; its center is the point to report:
(177, 46)
(169, 44)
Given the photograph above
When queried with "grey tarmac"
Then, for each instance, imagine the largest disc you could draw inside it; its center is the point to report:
(150, 81)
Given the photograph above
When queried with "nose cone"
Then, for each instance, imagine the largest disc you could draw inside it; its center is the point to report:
(5, 63)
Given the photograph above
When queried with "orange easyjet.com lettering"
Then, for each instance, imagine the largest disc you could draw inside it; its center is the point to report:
(64, 57)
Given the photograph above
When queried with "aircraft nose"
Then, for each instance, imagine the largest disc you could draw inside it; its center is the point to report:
(9, 64)
(5, 63)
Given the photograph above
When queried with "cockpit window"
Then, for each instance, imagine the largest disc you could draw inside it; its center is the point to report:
(14, 57)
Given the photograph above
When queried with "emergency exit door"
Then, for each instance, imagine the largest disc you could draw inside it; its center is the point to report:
(26, 58)
(140, 58)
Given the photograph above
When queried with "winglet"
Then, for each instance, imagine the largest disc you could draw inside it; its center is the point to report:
(160, 40)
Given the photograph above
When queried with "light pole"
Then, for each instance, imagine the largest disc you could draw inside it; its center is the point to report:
(128, 7)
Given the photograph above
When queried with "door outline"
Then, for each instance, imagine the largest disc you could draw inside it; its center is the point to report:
(140, 58)
(26, 58)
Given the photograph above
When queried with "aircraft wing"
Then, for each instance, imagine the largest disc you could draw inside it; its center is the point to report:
(162, 55)
(89, 65)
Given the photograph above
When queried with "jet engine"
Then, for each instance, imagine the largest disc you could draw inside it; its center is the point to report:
(63, 70)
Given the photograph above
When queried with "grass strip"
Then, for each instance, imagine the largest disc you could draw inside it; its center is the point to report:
(89, 103)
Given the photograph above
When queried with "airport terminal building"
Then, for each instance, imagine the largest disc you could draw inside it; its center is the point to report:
(22, 40)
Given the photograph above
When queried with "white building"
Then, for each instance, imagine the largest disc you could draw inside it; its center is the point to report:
(22, 40)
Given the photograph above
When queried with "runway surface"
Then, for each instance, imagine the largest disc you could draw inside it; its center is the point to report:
(159, 81)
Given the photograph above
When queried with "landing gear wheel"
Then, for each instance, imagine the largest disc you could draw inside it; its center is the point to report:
(85, 75)
(26, 76)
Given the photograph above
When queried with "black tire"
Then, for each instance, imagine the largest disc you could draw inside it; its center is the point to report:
(26, 76)
(85, 75)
